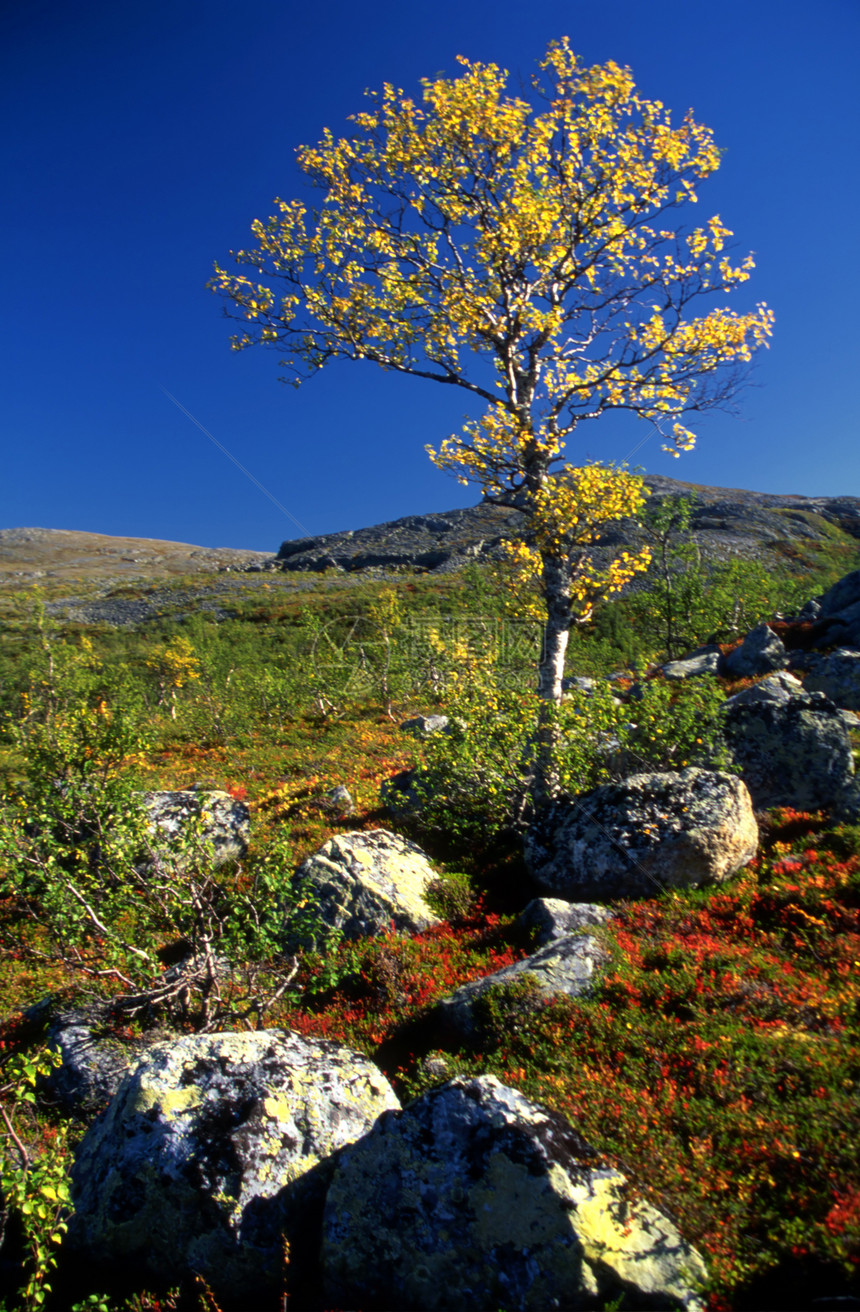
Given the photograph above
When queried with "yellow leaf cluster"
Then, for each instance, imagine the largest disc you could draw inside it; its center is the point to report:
(568, 516)
(178, 664)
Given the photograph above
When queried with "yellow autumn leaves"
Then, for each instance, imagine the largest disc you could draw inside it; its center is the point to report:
(478, 222)
(569, 515)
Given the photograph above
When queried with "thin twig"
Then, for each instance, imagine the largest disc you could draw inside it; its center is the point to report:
(25, 1158)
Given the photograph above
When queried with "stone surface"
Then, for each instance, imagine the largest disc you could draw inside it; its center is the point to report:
(779, 687)
(790, 753)
(94, 1061)
(837, 675)
(550, 918)
(564, 965)
(226, 821)
(339, 801)
(705, 661)
(215, 1146)
(725, 521)
(811, 611)
(475, 1198)
(362, 883)
(761, 652)
(578, 683)
(843, 596)
(423, 726)
(845, 808)
(838, 621)
(648, 833)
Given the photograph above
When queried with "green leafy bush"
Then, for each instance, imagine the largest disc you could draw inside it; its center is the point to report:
(77, 851)
(673, 725)
(35, 1184)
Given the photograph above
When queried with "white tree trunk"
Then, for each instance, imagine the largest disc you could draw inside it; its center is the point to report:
(556, 586)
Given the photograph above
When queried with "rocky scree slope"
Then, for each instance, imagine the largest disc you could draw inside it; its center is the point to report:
(94, 578)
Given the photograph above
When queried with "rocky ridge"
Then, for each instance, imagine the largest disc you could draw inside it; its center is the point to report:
(725, 522)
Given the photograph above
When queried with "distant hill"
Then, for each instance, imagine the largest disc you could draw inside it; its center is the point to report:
(30, 555)
(726, 522)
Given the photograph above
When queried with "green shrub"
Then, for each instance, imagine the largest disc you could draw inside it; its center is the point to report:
(452, 897)
(674, 725)
(35, 1178)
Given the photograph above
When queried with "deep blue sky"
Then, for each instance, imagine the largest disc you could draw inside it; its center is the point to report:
(140, 139)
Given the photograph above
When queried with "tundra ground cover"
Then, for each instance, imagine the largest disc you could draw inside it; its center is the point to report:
(717, 1062)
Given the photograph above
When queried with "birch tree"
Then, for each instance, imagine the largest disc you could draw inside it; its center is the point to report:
(533, 250)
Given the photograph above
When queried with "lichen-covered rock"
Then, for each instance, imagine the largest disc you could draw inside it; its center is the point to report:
(760, 653)
(837, 675)
(361, 883)
(475, 1198)
(648, 833)
(225, 823)
(564, 965)
(790, 753)
(213, 1148)
(550, 918)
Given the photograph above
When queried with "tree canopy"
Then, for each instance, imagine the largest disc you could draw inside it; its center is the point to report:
(530, 250)
(536, 238)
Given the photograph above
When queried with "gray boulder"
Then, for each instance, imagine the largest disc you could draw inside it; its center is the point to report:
(761, 652)
(565, 965)
(361, 883)
(845, 808)
(339, 801)
(793, 752)
(214, 1147)
(843, 596)
(93, 1060)
(578, 683)
(550, 918)
(779, 687)
(225, 822)
(838, 620)
(424, 726)
(476, 1198)
(643, 835)
(704, 661)
(811, 611)
(837, 675)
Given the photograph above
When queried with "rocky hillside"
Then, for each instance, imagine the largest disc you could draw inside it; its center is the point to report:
(726, 521)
